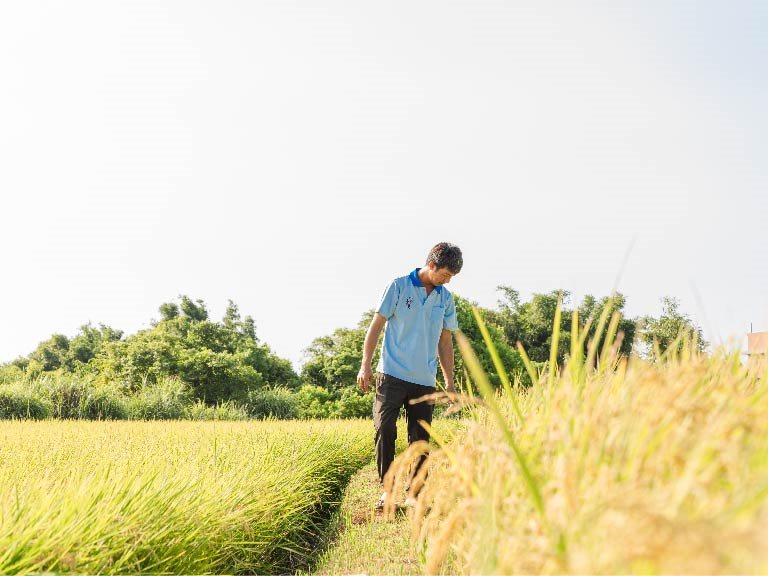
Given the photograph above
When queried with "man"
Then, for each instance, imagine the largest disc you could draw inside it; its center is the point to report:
(420, 315)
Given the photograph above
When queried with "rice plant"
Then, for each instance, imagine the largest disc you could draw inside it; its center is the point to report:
(605, 465)
(170, 497)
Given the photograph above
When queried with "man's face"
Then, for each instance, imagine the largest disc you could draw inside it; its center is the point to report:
(439, 276)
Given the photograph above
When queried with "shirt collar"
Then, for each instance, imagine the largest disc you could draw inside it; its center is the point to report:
(415, 278)
(416, 282)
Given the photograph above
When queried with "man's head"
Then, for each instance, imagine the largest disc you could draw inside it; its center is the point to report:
(444, 262)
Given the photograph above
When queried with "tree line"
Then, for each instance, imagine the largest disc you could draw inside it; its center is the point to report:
(187, 357)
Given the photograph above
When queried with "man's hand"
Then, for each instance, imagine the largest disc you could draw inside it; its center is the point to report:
(450, 389)
(445, 354)
(364, 377)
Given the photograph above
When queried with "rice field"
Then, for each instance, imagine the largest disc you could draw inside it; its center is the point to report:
(606, 465)
(172, 496)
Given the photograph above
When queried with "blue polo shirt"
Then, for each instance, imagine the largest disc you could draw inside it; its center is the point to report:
(414, 324)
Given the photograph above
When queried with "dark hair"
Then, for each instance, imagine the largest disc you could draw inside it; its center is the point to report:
(446, 255)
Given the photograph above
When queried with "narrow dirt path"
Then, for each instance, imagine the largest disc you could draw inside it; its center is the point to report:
(365, 541)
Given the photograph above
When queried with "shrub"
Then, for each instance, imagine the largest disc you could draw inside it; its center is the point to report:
(278, 403)
(314, 402)
(73, 397)
(223, 411)
(353, 404)
(105, 403)
(17, 401)
(10, 373)
(165, 400)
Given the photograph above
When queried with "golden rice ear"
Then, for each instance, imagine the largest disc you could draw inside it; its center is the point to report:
(420, 512)
(418, 481)
(398, 473)
(604, 524)
(389, 482)
(465, 402)
(396, 486)
(438, 548)
(456, 401)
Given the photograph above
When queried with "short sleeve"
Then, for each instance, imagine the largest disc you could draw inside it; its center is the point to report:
(450, 321)
(389, 300)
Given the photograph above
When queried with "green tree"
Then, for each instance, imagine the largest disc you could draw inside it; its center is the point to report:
(89, 342)
(52, 354)
(231, 316)
(333, 361)
(248, 328)
(219, 361)
(68, 355)
(195, 311)
(169, 311)
(666, 329)
(510, 358)
(592, 309)
(531, 323)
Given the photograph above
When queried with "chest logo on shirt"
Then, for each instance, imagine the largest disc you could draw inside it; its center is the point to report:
(409, 301)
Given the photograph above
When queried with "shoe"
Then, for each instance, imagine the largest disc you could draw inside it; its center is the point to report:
(381, 501)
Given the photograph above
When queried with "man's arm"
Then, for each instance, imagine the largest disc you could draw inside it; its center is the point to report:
(445, 353)
(365, 374)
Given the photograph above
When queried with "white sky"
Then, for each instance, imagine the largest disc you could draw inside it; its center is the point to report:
(296, 156)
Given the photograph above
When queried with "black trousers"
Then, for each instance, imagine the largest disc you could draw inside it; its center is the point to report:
(392, 394)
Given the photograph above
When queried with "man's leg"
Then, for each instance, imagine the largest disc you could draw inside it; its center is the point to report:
(390, 395)
(414, 413)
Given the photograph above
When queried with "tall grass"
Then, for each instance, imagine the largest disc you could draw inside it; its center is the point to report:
(88, 397)
(606, 465)
(19, 401)
(172, 497)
